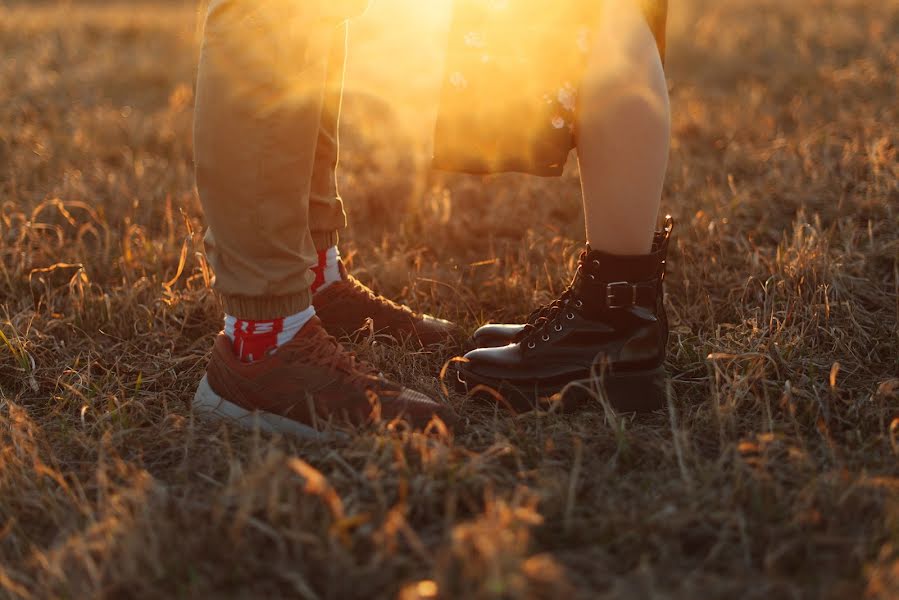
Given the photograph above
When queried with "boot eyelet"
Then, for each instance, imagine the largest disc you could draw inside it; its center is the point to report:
(592, 277)
(596, 262)
(579, 304)
(532, 345)
(545, 338)
(558, 327)
(570, 316)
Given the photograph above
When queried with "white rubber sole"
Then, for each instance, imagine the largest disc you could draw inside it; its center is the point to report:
(210, 405)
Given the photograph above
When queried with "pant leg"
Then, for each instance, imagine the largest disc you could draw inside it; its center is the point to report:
(326, 214)
(260, 92)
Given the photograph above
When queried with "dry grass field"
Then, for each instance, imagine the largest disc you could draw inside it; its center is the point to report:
(773, 474)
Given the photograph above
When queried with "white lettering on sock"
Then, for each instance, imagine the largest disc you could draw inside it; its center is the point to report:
(264, 327)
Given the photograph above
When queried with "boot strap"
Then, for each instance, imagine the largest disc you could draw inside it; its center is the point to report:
(622, 294)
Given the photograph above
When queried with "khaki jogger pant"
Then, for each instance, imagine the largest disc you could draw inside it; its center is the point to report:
(266, 147)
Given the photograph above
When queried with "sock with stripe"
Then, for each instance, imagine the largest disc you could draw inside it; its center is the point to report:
(327, 271)
(253, 340)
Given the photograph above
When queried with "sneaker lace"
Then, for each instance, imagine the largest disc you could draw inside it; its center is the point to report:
(325, 351)
(380, 303)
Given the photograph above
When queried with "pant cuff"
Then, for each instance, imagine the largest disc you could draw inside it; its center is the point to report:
(325, 239)
(262, 308)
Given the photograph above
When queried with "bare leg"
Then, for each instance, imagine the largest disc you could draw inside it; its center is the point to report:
(612, 316)
(623, 128)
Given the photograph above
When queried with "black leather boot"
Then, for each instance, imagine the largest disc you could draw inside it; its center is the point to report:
(494, 335)
(606, 336)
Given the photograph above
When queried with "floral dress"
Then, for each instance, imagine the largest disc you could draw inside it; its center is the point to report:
(512, 73)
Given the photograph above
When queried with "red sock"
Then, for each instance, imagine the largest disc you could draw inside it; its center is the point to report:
(253, 340)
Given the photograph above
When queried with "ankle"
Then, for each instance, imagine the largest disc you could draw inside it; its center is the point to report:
(609, 267)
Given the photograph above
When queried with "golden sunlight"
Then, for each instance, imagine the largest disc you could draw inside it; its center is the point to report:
(479, 62)
(483, 61)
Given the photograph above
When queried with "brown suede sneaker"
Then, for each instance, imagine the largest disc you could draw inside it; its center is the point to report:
(309, 380)
(345, 305)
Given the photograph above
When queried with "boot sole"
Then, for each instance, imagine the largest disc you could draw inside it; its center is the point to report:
(208, 404)
(634, 391)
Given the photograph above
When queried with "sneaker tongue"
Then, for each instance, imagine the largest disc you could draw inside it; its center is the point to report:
(311, 328)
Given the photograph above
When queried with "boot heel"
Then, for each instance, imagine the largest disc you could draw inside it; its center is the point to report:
(639, 391)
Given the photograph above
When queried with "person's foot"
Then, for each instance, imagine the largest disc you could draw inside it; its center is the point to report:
(345, 305)
(494, 335)
(309, 381)
(607, 337)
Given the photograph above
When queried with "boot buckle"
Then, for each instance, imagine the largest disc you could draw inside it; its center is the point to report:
(612, 297)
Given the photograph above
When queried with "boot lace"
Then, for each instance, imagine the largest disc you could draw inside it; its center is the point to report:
(549, 316)
(543, 315)
(551, 321)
